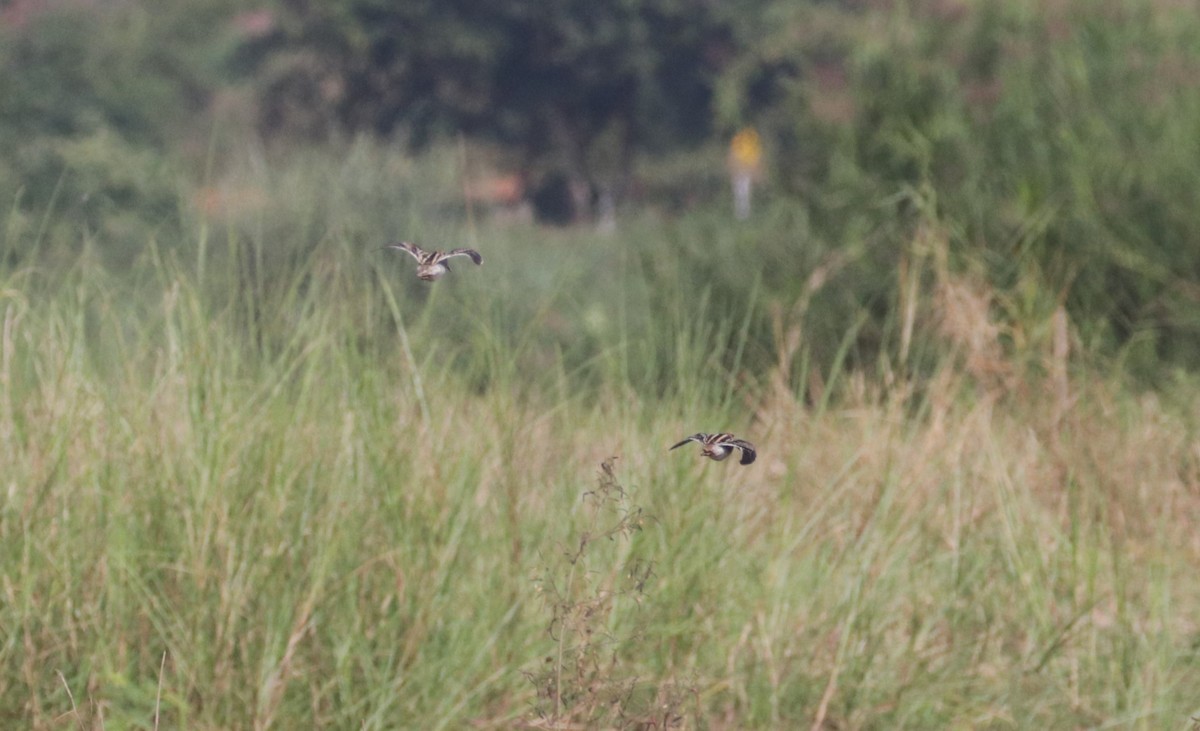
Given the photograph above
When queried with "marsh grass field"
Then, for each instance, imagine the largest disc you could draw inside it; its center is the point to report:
(257, 475)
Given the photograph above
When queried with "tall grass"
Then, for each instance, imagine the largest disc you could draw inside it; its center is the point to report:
(276, 481)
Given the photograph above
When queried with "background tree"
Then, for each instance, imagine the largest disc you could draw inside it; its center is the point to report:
(94, 101)
(1050, 143)
(572, 88)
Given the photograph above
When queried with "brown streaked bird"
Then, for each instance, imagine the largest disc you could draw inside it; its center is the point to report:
(720, 446)
(432, 265)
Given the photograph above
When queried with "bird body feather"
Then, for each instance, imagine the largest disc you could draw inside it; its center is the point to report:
(719, 446)
(432, 265)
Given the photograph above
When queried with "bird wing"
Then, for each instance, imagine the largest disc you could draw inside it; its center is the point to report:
(693, 438)
(749, 454)
(413, 249)
(475, 256)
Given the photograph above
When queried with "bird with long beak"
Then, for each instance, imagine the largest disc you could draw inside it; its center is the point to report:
(719, 446)
(431, 265)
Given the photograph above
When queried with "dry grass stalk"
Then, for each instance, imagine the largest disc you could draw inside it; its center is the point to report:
(585, 684)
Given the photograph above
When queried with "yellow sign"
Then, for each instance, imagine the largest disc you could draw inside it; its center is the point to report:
(745, 150)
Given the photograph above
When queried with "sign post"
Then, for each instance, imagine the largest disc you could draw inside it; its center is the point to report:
(745, 164)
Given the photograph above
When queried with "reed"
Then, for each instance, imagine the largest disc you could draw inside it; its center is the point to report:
(330, 495)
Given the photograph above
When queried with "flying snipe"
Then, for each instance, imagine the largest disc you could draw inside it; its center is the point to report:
(720, 446)
(432, 265)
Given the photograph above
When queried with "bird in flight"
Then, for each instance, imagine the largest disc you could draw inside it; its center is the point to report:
(720, 446)
(432, 265)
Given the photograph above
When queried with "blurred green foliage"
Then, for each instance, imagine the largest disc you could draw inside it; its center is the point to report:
(95, 104)
(1052, 147)
(571, 89)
